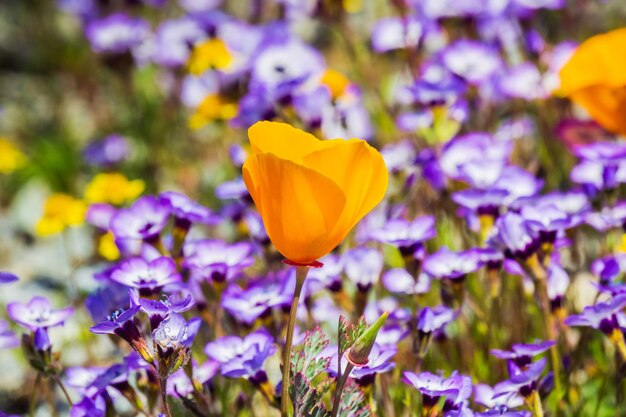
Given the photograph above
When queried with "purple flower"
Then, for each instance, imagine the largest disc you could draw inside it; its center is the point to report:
(106, 300)
(522, 354)
(483, 394)
(179, 384)
(608, 217)
(433, 386)
(363, 266)
(400, 281)
(434, 320)
(171, 332)
(445, 264)
(523, 381)
(473, 61)
(107, 152)
(602, 316)
(523, 81)
(608, 268)
(144, 220)
(514, 235)
(122, 323)
(158, 310)
(547, 220)
(146, 276)
(89, 407)
(503, 411)
(274, 69)
(99, 215)
(476, 147)
(171, 45)
(380, 360)
(329, 275)
(186, 211)
(406, 235)
(217, 261)
(241, 357)
(396, 33)
(255, 301)
(116, 33)
(7, 277)
(38, 314)
(558, 282)
(8, 340)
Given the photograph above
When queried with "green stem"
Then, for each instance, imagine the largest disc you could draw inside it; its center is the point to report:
(301, 273)
(33, 397)
(339, 388)
(58, 381)
(163, 389)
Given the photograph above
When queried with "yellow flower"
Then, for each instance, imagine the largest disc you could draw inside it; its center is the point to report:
(213, 107)
(336, 82)
(210, 54)
(107, 247)
(113, 188)
(60, 211)
(310, 193)
(11, 158)
(595, 79)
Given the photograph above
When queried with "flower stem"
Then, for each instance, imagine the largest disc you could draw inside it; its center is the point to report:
(537, 409)
(339, 388)
(33, 396)
(163, 389)
(301, 273)
(67, 395)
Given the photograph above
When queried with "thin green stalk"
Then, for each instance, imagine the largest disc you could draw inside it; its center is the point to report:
(58, 381)
(33, 396)
(163, 389)
(339, 388)
(301, 273)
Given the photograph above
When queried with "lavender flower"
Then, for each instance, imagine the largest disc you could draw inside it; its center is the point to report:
(8, 340)
(396, 33)
(38, 314)
(445, 264)
(363, 266)
(433, 387)
(146, 276)
(602, 316)
(254, 302)
(217, 261)
(522, 354)
(242, 357)
(107, 152)
(408, 236)
(7, 277)
(186, 211)
(122, 323)
(523, 381)
(473, 61)
(144, 220)
(116, 33)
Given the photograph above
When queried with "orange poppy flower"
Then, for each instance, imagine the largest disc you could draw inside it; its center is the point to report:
(595, 79)
(310, 192)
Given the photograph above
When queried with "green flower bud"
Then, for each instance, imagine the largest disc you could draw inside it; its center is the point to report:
(359, 353)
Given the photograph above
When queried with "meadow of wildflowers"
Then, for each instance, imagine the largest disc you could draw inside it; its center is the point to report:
(313, 208)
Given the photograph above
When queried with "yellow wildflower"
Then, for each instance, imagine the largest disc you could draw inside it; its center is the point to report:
(210, 54)
(213, 107)
(113, 188)
(11, 158)
(336, 82)
(107, 247)
(60, 211)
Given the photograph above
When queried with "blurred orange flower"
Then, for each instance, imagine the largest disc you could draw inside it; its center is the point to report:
(595, 79)
(310, 192)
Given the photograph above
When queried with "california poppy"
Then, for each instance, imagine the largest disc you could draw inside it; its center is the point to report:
(595, 78)
(310, 192)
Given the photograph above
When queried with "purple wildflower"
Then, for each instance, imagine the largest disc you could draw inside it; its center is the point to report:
(242, 357)
(146, 276)
(144, 220)
(116, 33)
(522, 354)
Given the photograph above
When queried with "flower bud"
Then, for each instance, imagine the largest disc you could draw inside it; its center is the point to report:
(359, 353)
